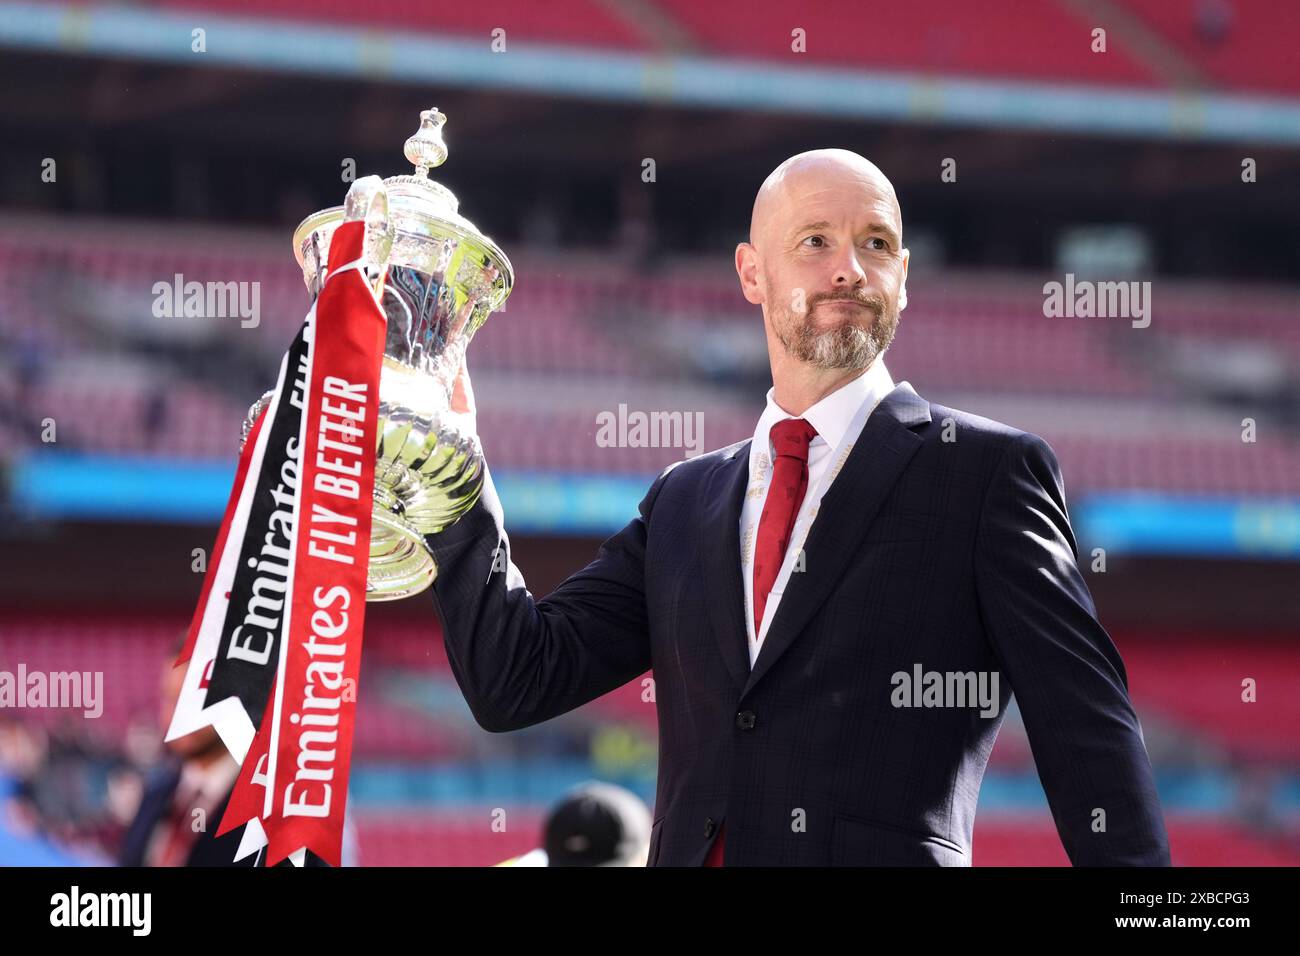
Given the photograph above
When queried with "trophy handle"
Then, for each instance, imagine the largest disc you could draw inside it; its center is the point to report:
(367, 200)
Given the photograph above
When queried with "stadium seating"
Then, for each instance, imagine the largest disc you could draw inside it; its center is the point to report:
(1048, 41)
(586, 22)
(575, 341)
(1240, 44)
(420, 773)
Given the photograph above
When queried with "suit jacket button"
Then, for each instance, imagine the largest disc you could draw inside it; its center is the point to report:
(709, 827)
(745, 720)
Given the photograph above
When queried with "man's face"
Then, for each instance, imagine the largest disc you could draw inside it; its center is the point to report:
(831, 268)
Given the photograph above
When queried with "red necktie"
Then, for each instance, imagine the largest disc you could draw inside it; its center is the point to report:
(790, 440)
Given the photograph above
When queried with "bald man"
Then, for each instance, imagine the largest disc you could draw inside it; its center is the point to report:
(837, 610)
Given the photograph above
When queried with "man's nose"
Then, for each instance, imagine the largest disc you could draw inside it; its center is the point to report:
(848, 272)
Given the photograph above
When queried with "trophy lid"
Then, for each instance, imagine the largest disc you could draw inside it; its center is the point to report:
(428, 226)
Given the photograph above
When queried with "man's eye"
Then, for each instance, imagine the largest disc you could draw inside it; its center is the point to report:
(820, 240)
(883, 244)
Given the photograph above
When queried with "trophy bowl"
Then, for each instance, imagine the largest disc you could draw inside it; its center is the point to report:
(444, 278)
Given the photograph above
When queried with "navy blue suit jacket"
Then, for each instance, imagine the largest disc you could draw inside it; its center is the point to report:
(943, 542)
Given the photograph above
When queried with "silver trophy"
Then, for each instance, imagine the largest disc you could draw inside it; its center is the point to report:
(444, 278)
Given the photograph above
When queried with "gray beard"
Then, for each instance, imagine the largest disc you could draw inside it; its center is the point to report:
(847, 346)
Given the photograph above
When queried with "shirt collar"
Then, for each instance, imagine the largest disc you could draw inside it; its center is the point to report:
(833, 414)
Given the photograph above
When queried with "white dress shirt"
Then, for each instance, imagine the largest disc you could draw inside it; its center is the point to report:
(834, 417)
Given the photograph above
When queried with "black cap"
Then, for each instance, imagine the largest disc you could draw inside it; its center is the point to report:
(598, 824)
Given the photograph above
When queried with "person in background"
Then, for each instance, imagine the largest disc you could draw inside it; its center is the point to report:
(168, 829)
(596, 824)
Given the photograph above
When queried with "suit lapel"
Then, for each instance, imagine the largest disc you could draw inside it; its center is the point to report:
(877, 460)
(725, 591)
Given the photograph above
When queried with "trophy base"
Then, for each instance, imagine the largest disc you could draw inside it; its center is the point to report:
(400, 562)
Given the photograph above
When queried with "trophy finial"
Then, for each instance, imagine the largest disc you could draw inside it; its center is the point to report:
(426, 149)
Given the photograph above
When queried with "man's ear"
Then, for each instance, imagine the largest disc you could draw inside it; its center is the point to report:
(902, 287)
(747, 271)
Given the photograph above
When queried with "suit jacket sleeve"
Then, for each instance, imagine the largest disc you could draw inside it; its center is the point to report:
(1063, 668)
(519, 661)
